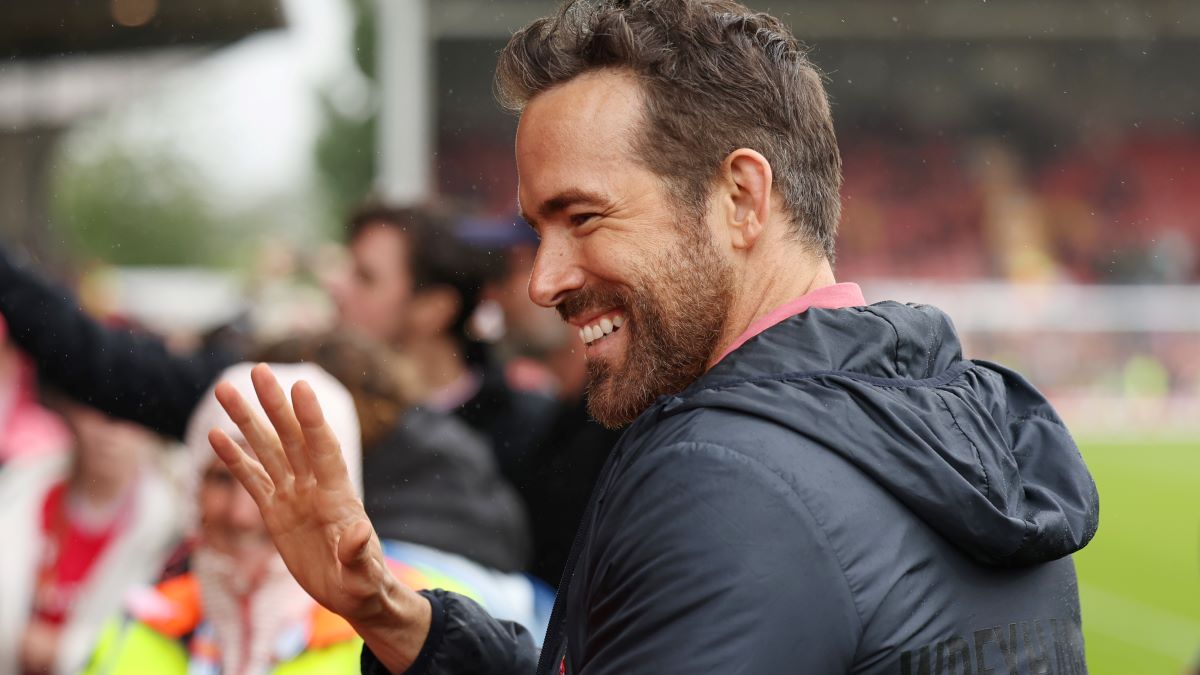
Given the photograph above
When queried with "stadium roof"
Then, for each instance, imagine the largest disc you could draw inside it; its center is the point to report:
(55, 27)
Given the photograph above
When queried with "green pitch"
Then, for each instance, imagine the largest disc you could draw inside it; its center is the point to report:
(1140, 577)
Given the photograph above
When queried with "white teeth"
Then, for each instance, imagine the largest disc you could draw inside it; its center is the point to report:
(590, 334)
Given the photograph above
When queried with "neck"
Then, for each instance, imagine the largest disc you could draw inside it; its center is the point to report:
(98, 492)
(439, 361)
(775, 280)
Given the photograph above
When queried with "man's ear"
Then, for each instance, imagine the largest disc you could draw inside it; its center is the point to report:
(746, 204)
(432, 310)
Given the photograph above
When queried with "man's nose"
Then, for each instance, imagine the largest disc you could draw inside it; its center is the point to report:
(556, 270)
(337, 286)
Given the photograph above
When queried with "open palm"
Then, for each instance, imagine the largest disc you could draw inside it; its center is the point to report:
(300, 483)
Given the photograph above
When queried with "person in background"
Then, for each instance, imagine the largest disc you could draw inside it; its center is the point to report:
(81, 529)
(236, 609)
(414, 286)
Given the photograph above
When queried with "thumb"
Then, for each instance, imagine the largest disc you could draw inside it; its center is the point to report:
(354, 545)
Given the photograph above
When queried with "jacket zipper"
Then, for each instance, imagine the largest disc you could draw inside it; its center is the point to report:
(553, 660)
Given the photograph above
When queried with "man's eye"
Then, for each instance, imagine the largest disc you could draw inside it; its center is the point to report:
(218, 478)
(583, 218)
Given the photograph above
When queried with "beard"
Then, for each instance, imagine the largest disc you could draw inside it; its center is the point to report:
(675, 308)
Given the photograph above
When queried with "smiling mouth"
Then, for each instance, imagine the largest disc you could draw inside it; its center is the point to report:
(601, 329)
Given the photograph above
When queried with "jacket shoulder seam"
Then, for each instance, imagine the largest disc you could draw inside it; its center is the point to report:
(1038, 414)
(895, 332)
(987, 484)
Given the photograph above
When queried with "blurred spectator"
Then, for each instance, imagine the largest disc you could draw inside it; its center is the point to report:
(1014, 219)
(414, 286)
(238, 609)
(26, 428)
(80, 531)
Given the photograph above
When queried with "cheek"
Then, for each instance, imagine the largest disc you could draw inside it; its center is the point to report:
(213, 508)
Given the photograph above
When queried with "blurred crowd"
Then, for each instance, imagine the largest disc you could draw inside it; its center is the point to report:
(1120, 210)
(457, 401)
(958, 206)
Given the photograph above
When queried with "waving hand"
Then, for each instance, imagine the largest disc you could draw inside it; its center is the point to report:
(300, 483)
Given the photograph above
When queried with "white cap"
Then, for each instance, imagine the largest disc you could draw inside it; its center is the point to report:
(336, 403)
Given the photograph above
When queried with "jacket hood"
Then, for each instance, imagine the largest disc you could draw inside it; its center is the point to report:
(968, 446)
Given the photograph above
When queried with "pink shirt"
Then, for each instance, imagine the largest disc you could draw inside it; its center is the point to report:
(836, 296)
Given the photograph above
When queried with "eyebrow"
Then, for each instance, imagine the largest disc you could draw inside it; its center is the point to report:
(562, 201)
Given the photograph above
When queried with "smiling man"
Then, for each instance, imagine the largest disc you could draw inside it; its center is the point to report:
(808, 484)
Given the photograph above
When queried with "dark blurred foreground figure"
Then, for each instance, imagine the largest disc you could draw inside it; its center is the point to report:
(809, 484)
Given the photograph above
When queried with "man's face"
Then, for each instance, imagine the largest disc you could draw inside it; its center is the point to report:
(374, 297)
(106, 449)
(230, 522)
(617, 256)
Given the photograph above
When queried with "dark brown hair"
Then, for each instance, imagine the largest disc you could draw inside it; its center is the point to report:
(436, 255)
(715, 77)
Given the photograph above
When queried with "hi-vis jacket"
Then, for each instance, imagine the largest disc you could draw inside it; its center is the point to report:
(176, 640)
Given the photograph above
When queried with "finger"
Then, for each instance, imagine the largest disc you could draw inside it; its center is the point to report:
(244, 468)
(354, 546)
(324, 451)
(262, 438)
(282, 417)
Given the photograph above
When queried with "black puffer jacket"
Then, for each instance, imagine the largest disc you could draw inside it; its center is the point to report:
(843, 494)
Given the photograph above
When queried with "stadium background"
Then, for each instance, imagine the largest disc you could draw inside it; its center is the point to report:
(1033, 167)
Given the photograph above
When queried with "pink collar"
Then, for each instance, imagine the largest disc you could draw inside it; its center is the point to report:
(837, 296)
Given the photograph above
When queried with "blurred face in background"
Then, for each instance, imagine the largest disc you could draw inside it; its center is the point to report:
(107, 451)
(374, 296)
(230, 523)
(639, 278)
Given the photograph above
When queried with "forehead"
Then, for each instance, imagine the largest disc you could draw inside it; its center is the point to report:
(376, 233)
(381, 245)
(572, 136)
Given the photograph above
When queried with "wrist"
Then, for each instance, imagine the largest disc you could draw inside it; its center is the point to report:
(396, 627)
